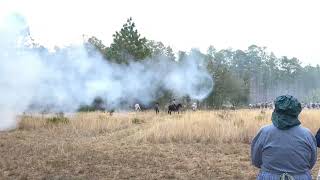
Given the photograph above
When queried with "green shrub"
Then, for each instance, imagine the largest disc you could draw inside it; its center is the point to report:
(57, 120)
(260, 117)
(137, 121)
(86, 108)
(97, 104)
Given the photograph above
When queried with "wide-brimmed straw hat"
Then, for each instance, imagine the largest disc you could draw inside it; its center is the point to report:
(286, 112)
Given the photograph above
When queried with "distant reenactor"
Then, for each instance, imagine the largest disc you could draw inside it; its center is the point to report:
(137, 107)
(111, 111)
(157, 107)
(173, 102)
(194, 106)
(309, 106)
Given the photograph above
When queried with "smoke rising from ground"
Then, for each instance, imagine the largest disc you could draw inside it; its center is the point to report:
(71, 77)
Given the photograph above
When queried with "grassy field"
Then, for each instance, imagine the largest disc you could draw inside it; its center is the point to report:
(192, 145)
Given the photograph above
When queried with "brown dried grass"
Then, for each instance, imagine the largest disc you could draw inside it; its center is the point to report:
(192, 145)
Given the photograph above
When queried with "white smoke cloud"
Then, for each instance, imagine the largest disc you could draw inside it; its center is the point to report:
(70, 77)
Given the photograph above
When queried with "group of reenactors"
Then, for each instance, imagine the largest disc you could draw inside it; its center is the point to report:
(270, 105)
(262, 105)
(311, 105)
(173, 103)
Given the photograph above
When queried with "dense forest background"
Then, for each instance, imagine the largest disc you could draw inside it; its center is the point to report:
(241, 77)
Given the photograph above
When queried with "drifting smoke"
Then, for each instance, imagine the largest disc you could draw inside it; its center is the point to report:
(70, 77)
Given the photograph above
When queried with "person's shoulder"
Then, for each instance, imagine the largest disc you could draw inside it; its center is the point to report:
(303, 129)
(267, 128)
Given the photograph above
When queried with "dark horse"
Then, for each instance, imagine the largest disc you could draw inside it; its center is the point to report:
(174, 108)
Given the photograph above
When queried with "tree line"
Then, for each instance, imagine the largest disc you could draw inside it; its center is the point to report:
(241, 77)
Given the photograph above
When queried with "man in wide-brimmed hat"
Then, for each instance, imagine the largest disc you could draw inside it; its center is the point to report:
(284, 149)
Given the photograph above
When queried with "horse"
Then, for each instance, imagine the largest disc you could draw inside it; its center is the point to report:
(174, 108)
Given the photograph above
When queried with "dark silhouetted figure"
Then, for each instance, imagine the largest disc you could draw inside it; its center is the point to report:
(156, 108)
(111, 112)
(174, 108)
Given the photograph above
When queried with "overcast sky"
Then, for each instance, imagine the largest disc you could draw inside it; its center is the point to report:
(286, 27)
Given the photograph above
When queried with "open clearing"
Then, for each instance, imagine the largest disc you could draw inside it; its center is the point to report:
(194, 145)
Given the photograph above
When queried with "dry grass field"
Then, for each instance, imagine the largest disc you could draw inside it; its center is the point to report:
(192, 145)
